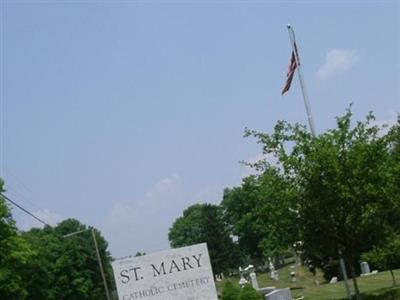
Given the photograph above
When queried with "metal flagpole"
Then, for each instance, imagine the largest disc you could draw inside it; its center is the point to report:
(312, 127)
(302, 84)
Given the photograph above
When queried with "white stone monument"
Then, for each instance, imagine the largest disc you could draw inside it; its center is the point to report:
(279, 294)
(253, 278)
(274, 274)
(293, 278)
(242, 280)
(365, 270)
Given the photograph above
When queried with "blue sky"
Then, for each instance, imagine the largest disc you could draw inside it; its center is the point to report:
(121, 114)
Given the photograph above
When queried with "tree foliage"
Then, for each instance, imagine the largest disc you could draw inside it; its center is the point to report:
(43, 265)
(15, 255)
(345, 181)
(68, 265)
(262, 213)
(203, 223)
(231, 291)
(385, 256)
(249, 293)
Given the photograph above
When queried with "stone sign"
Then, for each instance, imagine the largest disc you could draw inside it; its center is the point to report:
(178, 274)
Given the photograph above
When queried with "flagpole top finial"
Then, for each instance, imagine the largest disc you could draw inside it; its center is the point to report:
(289, 26)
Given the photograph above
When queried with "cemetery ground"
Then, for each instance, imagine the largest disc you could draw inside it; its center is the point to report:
(373, 287)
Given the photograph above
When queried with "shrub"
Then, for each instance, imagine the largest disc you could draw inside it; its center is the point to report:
(248, 293)
(230, 291)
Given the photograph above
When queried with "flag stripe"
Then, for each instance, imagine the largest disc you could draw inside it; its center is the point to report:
(290, 73)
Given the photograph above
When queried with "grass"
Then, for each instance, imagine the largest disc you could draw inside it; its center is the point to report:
(373, 287)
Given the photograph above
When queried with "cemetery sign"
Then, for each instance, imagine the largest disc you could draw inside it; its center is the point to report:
(178, 274)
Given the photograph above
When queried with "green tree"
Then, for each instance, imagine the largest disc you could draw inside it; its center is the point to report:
(230, 291)
(77, 266)
(263, 214)
(393, 187)
(386, 256)
(345, 200)
(15, 255)
(39, 273)
(249, 293)
(41, 264)
(203, 223)
(67, 267)
(234, 292)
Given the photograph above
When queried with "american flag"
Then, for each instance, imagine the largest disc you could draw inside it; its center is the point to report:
(290, 73)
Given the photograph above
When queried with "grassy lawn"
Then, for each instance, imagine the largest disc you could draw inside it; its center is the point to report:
(376, 287)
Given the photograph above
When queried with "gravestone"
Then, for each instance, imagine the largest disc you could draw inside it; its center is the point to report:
(242, 280)
(274, 274)
(176, 274)
(334, 280)
(253, 279)
(280, 294)
(365, 268)
(293, 276)
(250, 269)
(266, 290)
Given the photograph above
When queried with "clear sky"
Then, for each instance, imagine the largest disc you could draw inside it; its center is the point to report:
(123, 113)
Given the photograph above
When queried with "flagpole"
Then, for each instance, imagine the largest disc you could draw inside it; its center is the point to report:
(312, 127)
(301, 79)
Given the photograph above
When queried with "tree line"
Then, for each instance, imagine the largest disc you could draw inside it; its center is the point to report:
(43, 264)
(338, 192)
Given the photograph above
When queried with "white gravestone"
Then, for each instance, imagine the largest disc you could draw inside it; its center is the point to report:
(365, 270)
(274, 273)
(242, 280)
(281, 294)
(253, 279)
(293, 276)
(253, 276)
(176, 274)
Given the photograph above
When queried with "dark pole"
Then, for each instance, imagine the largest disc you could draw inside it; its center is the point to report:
(98, 257)
(100, 265)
